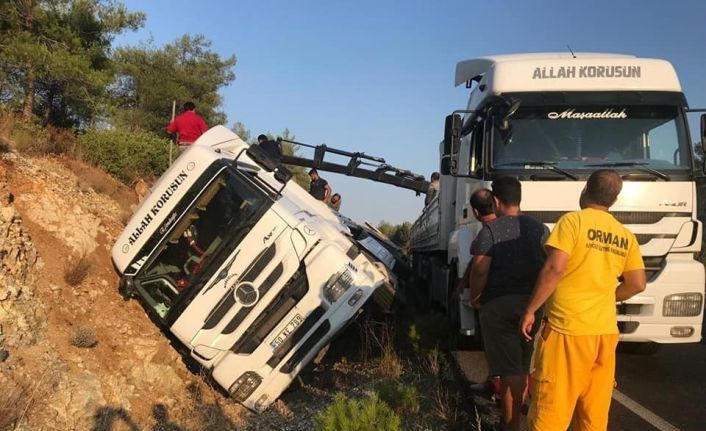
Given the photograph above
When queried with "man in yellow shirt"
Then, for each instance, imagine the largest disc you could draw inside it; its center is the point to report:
(574, 362)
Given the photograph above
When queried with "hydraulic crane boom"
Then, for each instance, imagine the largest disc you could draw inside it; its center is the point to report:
(381, 172)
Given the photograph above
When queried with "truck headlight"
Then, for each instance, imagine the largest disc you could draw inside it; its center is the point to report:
(245, 386)
(682, 305)
(338, 285)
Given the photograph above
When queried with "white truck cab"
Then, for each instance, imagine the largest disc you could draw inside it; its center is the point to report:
(250, 274)
(550, 120)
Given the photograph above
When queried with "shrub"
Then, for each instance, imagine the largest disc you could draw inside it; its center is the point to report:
(125, 154)
(33, 139)
(368, 414)
(77, 271)
(401, 397)
(390, 365)
(428, 332)
(84, 337)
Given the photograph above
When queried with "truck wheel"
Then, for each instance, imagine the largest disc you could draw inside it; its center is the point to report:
(641, 348)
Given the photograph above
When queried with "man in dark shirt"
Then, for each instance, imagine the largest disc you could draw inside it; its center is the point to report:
(189, 125)
(318, 187)
(272, 148)
(507, 257)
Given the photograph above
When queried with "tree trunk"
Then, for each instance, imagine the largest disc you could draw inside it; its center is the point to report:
(29, 77)
(29, 94)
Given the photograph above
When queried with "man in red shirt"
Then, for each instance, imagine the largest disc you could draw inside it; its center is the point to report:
(189, 125)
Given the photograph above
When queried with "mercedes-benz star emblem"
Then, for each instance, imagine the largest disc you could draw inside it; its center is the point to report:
(246, 294)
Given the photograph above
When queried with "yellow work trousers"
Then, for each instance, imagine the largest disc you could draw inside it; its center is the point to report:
(573, 380)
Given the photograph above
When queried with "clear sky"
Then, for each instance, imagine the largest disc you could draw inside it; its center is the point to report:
(377, 76)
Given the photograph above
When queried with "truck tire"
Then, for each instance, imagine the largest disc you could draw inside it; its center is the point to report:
(638, 348)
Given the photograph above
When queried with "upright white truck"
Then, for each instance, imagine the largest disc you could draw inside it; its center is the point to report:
(249, 273)
(550, 120)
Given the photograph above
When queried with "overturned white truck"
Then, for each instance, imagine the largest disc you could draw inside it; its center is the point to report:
(244, 268)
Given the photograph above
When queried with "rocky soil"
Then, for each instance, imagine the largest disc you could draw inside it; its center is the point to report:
(122, 373)
(51, 217)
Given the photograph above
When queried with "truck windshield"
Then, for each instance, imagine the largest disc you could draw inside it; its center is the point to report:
(624, 137)
(224, 212)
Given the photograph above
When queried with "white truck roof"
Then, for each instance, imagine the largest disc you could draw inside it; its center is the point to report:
(559, 71)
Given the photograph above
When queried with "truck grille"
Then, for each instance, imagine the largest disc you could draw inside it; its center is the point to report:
(306, 347)
(228, 299)
(303, 329)
(273, 314)
(644, 238)
(262, 289)
(627, 327)
(625, 217)
(653, 266)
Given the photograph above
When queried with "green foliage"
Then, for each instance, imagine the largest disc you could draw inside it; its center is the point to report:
(368, 414)
(125, 154)
(55, 57)
(401, 397)
(150, 78)
(399, 234)
(428, 332)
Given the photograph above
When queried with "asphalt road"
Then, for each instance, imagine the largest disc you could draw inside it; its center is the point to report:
(665, 391)
(669, 385)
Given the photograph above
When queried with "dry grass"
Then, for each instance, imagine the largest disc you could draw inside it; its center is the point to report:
(101, 182)
(77, 270)
(204, 411)
(84, 337)
(38, 141)
(11, 406)
(17, 400)
(433, 362)
(444, 406)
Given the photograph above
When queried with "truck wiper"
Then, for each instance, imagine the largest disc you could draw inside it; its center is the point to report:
(641, 165)
(547, 165)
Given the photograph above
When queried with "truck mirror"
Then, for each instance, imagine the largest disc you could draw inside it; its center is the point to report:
(452, 144)
(452, 134)
(126, 288)
(703, 132)
(445, 168)
(513, 106)
(260, 156)
(282, 174)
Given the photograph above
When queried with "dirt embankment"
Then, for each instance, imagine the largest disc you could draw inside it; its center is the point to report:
(75, 356)
(58, 220)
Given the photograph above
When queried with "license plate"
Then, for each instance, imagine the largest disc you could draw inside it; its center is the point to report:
(287, 331)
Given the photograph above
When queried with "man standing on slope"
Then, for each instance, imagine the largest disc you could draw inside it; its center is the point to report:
(575, 358)
(189, 125)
